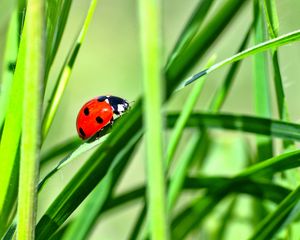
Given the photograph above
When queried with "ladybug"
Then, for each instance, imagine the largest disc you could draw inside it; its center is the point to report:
(97, 113)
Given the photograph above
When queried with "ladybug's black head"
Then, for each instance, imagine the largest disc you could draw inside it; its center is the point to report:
(119, 105)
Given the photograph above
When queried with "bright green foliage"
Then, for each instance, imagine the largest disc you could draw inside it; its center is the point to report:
(201, 164)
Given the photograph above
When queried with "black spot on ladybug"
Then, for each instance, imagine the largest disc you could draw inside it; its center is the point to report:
(81, 132)
(99, 119)
(102, 98)
(86, 111)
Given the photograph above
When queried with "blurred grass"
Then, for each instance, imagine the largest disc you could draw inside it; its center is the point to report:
(9, 147)
(210, 146)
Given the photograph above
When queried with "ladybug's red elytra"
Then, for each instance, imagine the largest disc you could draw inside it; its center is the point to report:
(97, 113)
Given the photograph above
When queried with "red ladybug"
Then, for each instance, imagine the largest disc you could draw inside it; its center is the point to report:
(97, 113)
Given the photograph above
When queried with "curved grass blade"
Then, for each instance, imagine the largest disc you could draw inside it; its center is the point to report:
(273, 43)
(84, 147)
(70, 157)
(33, 76)
(10, 57)
(83, 223)
(257, 125)
(270, 166)
(61, 148)
(150, 39)
(65, 73)
(284, 214)
(190, 30)
(57, 12)
(9, 235)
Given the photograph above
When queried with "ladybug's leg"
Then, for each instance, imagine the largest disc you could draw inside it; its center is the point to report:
(116, 111)
(111, 122)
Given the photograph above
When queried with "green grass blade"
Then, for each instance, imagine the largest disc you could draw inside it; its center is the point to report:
(273, 165)
(82, 148)
(34, 59)
(257, 125)
(190, 30)
(9, 146)
(69, 158)
(221, 94)
(137, 227)
(9, 235)
(61, 148)
(183, 118)
(205, 37)
(273, 43)
(191, 216)
(82, 225)
(149, 18)
(262, 103)
(10, 57)
(261, 88)
(181, 170)
(284, 214)
(271, 18)
(273, 25)
(272, 22)
(225, 220)
(65, 73)
(57, 15)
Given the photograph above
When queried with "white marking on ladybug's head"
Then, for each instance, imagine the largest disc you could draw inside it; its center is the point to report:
(106, 100)
(121, 108)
